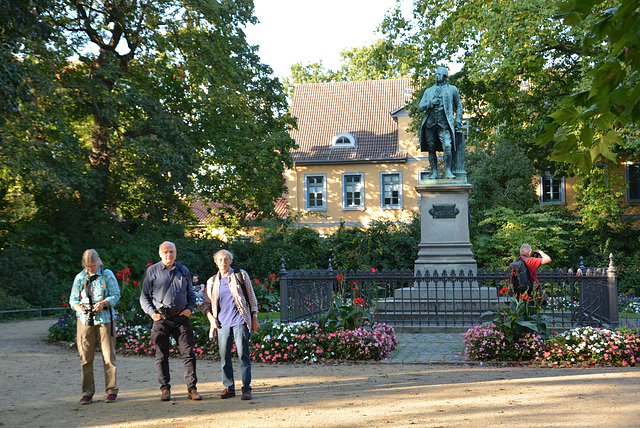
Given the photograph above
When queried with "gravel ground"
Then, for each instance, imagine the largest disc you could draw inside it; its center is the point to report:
(40, 386)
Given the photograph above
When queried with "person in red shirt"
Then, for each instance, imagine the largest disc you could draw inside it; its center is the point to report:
(533, 263)
(534, 259)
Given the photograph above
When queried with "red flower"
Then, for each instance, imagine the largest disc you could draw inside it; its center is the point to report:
(355, 283)
(526, 297)
(256, 281)
(503, 290)
(119, 275)
(373, 270)
(62, 298)
(126, 280)
(65, 305)
(127, 271)
(358, 301)
(149, 264)
(136, 283)
(272, 276)
(339, 277)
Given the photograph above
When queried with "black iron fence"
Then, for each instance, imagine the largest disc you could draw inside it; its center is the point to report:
(580, 297)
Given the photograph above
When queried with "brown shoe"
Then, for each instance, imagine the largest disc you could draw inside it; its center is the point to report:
(246, 394)
(85, 400)
(166, 395)
(226, 393)
(111, 398)
(193, 395)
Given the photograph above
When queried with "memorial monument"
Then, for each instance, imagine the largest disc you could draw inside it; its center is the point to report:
(444, 241)
(444, 246)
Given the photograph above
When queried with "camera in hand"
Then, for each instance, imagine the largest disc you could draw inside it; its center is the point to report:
(536, 254)
(88, 309)
(163, 311)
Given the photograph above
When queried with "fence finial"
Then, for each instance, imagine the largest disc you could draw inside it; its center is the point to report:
(581, 262)
(330, 267)
(282, 268)
(611, 266)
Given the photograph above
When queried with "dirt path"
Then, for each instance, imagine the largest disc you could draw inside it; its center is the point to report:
(40, 385)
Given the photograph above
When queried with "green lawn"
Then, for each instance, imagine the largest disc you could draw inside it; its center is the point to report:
(272, 316)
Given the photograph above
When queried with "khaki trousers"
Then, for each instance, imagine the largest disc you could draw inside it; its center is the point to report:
(88, 338)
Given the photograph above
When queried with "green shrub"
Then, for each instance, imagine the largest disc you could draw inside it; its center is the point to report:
(64, 330)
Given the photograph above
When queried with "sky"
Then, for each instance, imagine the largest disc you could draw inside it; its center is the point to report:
(307, 31)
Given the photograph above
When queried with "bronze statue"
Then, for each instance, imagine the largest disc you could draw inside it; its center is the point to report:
(439, 127)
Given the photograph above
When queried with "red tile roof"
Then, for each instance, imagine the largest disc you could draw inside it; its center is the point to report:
(361, 109)
(207, 213)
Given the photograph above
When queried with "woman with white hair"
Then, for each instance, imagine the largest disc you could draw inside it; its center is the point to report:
(94, 293)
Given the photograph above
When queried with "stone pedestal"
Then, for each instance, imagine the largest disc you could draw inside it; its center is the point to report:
(444, 240)
(442, 299)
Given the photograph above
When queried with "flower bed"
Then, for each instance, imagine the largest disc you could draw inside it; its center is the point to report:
(306, 342)
(487, 342)
(587, 345)
(273, 343)
(279, 343)
(579, 346)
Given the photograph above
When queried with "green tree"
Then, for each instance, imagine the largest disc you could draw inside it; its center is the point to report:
(502, 176)
(594, 120)
(500, 232)
(520, 62)
(599, 196)
(174, 101)
(126, 111)
(20, 26)
(517, 62)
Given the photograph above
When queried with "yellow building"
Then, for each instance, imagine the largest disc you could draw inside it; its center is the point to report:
(562, 191)
(356, 161)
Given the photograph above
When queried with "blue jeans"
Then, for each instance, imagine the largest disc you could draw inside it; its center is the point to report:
(240, 334)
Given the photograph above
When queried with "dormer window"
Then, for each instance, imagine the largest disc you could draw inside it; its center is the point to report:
(343, 139)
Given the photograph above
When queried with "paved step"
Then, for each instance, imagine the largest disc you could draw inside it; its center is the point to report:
(428, 348)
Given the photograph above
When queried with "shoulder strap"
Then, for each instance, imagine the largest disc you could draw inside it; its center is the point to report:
(166, 290)
(104, 287)
(240, 278)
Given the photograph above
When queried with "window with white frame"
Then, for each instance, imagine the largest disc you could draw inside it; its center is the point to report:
(343, 139)
(551, 189)
(391, 190)
(423, 175)
(353, 191)
(315, 190)
(633, 181)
